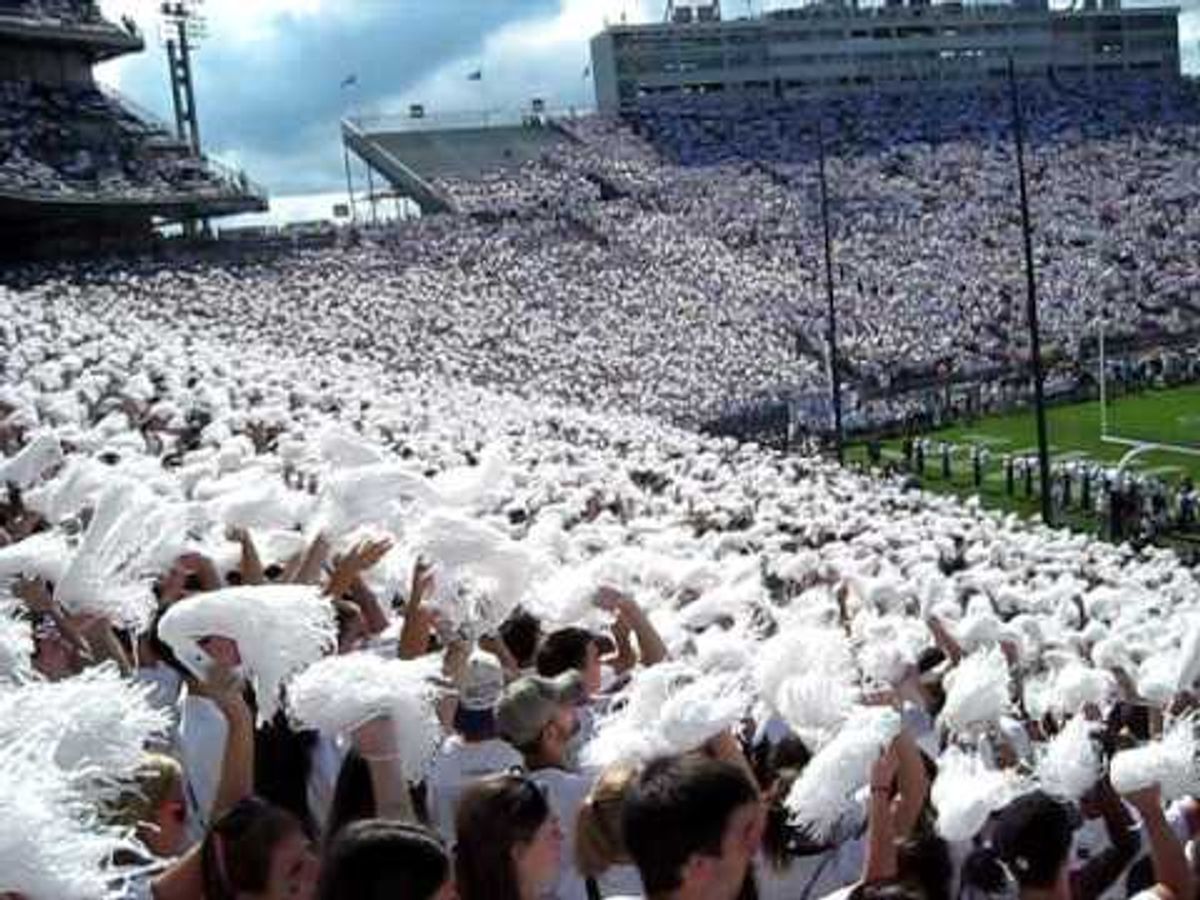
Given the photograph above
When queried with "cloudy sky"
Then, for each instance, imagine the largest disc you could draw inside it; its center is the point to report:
(269, 72)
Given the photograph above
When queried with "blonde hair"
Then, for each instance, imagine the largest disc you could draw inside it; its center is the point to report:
(153, 782)
(599, 837)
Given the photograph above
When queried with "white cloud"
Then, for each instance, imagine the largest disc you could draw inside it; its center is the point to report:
(543, 57)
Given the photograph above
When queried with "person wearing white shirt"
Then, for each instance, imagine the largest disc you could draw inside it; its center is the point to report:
(537, 716)
(473, 751)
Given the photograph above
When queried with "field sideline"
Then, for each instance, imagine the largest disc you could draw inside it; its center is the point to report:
(1169, 416)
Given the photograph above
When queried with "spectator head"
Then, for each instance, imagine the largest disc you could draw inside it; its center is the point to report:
(522, 633)
(693, 826)
(256, 848)
(571, 649)
(1030, 846)
(376, 859)
(510, 845)
(154, 806)
(482, 687)
(599, 838)
(537, 716)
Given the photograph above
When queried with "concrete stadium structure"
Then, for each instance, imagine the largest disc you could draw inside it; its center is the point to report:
(81, 167)
(829, 47)
(412, 154)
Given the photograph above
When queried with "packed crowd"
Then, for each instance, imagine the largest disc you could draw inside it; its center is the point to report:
(672, 266)
(77, 142)
(716, 208)
(73, 12)
(284, 621)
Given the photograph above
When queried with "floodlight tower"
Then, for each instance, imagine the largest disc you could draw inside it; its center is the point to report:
(182, 29)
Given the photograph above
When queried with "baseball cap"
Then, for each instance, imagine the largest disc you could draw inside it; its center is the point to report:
(483, 683)
(529, 703)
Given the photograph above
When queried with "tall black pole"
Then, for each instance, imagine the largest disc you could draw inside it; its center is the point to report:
(349, 182)
(834, 376)
(1035, 341)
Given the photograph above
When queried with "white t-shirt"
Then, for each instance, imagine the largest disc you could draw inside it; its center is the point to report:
(814, 876)
(565, 792)
(620, 881)
(459, 763)
(202, 735)
(326, 757)
(1092, 839)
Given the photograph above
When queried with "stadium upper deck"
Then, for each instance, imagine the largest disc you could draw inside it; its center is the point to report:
(79, 166)
(418, 156)
(832, 47)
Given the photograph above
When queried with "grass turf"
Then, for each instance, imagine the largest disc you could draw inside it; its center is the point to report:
(1073, 432)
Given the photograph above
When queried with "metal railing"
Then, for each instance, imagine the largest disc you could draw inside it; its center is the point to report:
(475, 118)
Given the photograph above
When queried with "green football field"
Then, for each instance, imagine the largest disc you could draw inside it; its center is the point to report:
(1160, 416)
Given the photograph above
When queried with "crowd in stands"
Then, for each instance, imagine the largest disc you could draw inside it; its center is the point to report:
(364, 573)
(73, 12)
(715, 205)
(79, 143)
(284, 621)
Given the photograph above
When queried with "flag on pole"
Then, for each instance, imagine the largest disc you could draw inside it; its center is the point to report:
(477, 75)
(349, 81)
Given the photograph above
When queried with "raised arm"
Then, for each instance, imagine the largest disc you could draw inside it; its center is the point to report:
(418, 619)
(224, 688)
(376, 743)
(651, 649)
(1173, 875)
(1102, 870)
(882, 863)
(250, 565)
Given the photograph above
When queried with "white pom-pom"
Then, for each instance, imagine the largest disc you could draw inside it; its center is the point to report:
(340, 693)
(94, 724)
(1158, 678)
(481, 573)
(824, 794)
(36, 458)
(703, 709)
(278, 629)
(965, 793)
(669, 708)
(42, 555)
(16, 644)
(1077, 686)
(1189, 659)
(344, 448)
(976, 691)
(53, 845)
(1169, 763)
(817, 651)
(471, 486)
(1112, 653)
(815, 707)
(371, 494)
(130, 535)
(1071, 764)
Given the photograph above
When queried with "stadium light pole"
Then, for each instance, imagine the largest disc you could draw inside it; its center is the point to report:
(346, 162)
(835, 377)
(1031, 299)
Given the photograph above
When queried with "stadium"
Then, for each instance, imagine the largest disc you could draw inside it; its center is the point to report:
(778, 482)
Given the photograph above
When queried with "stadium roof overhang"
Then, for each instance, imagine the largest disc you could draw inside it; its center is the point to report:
(15, 207)
(100, 42)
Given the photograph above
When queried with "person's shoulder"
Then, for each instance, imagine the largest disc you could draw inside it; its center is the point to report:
(561, 779)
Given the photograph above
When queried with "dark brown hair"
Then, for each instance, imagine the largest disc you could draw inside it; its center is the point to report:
(236, 854)
(494, 816)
